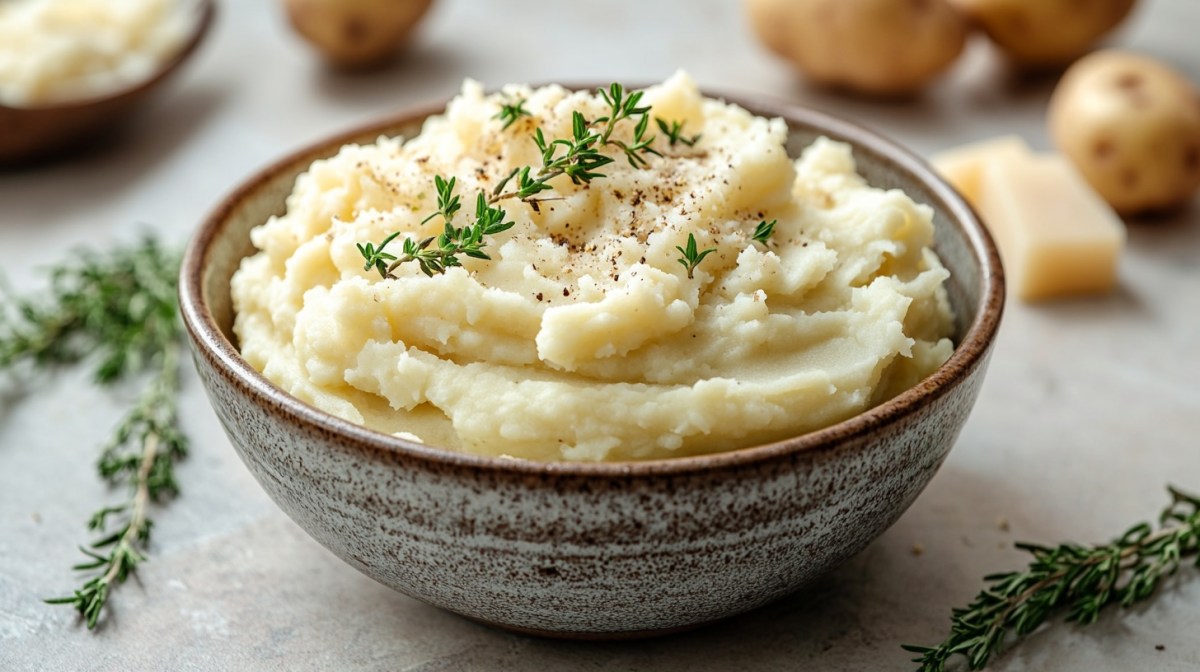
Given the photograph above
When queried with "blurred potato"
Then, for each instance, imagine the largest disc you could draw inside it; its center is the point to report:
(877, 47)
(1045, 33)
(356, 33)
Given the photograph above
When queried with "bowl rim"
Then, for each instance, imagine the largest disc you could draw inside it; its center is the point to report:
(968, 354)
(205, 11)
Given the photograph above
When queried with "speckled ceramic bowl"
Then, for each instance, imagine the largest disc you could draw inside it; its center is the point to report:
(595, 550)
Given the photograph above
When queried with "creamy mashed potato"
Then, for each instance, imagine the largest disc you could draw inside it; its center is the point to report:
(583, 337)
(59, 50)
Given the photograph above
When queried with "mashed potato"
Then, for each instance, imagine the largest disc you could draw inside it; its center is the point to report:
(583, 338)
(59, 50)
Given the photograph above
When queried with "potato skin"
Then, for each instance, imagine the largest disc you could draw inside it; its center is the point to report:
(1039, 34)
(1131, 125)
(771, 20)
(356, 33)
(876, 47)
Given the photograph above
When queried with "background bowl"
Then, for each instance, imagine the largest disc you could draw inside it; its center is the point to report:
(595, 550)
(30, 134)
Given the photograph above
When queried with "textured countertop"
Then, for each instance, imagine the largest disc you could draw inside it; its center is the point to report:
(1090, 407)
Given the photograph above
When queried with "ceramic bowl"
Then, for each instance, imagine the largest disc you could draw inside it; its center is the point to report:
(33, 134)
(595, 550)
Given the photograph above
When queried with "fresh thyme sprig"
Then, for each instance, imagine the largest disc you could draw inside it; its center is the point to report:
(578, 157)
(763, 231)
(674, 132)
(1080, 579)
(579, 161)
(510, 112)
(141, 455)
(690, 258)
(453, 241)
(448, 203)
(624, 105)
(120, 309)
(375, 255)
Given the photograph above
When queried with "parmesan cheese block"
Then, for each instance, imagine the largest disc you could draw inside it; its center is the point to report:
(963, 166)
(1056, 235)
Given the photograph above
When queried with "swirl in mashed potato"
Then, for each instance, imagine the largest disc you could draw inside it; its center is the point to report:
(583, 337)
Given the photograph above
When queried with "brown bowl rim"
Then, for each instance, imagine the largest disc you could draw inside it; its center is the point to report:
(207, 10)
(967, 355)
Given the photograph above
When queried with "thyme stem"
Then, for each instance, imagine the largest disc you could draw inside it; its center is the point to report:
(1082, 579)
(137, 514)
(120, 310)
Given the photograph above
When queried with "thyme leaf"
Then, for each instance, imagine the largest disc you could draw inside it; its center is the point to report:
(674, 131)
(690, 258)
(763, 231)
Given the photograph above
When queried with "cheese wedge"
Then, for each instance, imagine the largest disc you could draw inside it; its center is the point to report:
(1057, 237)
(963, 166)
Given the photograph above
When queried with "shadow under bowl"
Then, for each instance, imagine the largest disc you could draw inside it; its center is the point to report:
(46, 132)
(586, 550)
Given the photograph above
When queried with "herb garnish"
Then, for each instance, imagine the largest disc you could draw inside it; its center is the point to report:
(690, 258)
(764, 231)
(673, 130)
(579, 161)
(510, 112)
(1081, 579)
(624, 107)
(121, 310)
(453, 241)
(578, 157)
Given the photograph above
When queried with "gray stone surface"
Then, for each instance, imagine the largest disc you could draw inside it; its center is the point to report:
(1091, 406)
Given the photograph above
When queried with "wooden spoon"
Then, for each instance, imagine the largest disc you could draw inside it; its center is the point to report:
(29, 134)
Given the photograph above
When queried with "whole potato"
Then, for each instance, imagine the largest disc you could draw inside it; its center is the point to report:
(356, 33)
(770, 20)
(1132, 127)
(1045, 33)
(879, 47)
